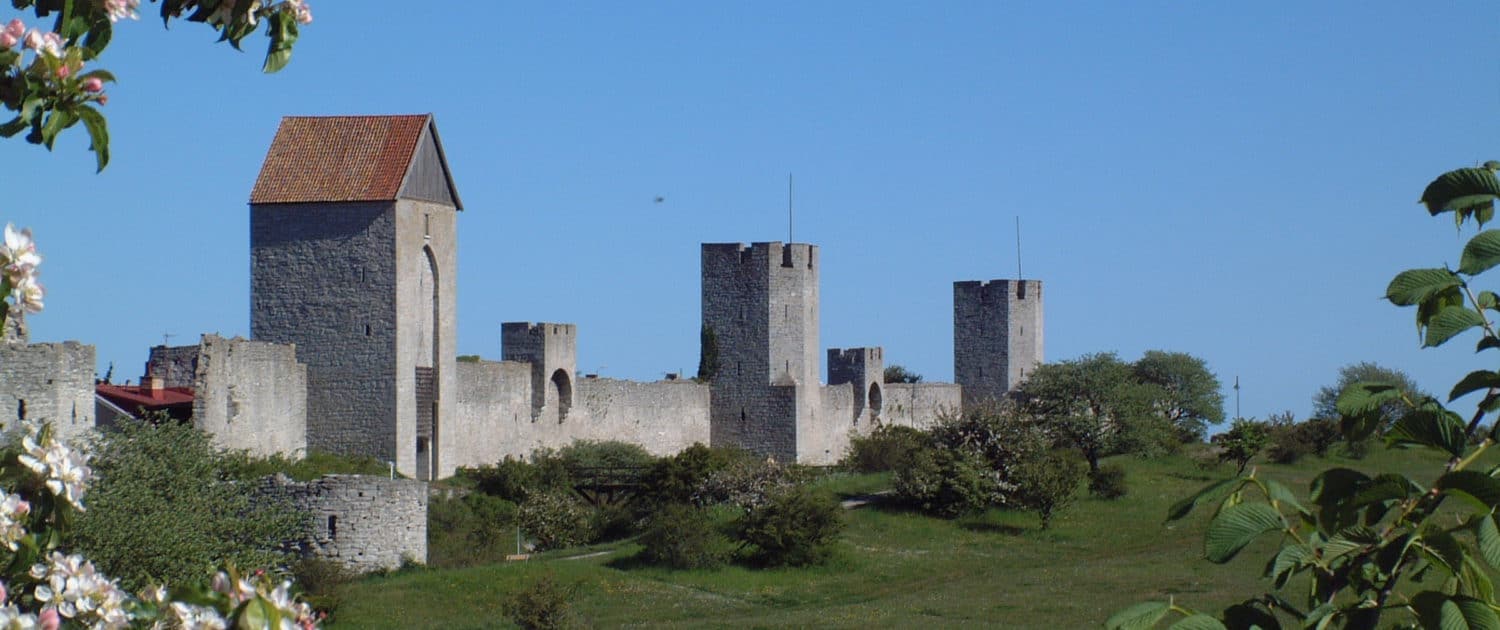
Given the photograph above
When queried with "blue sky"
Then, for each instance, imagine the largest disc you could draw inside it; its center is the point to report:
(1232, 180)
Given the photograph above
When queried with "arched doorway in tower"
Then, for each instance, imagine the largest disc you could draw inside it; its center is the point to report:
(426, 376)
(875, 402)
(562, 392)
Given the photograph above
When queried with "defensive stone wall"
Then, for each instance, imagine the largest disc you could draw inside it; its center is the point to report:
(493, 413)
(176, 366)
(664, 417)
(363, 522)
(920, 405)
(52, 382)
(251, 395)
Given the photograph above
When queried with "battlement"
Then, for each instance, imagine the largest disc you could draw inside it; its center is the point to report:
(552, 351)
(1000, 289)
(851, 365)
(538, 329)
(762, 255)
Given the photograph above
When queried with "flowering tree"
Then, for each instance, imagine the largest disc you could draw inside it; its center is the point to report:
(42, 68)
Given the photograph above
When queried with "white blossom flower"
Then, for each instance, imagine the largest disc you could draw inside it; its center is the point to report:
(11, 618)
(196, 617)
(27, 294)
(121, 9)
(76, 591)
(13, 510)
(18, 255)
(300, 8)
(67, 471)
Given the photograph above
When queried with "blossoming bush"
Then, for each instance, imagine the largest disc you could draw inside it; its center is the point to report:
(42, 67)
(44, 583)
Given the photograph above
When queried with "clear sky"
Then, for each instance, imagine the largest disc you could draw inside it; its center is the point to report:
(1233, 180)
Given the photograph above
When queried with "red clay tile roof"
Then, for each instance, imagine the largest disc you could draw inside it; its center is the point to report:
(338, 158)
(131, 396)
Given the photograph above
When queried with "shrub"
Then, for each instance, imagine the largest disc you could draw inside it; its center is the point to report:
(793, 527)
(681, 536)
(944, 482)
(515, 479)
(746, 482)
(470, 530)
(555, 519)
(543, 604)
(1108, 482)
(1241, 443)
(1048, 483)
(323, 583)
(164, 508)
(606, 454)
(679, 478)
(883, 449)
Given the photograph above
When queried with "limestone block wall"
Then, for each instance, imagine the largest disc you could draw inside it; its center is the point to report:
(843, 415)
(997, 335)
(51, 382)
(365, 523)
(920, 405)
(492, 416)
(323, 277)
(664, 417)
(251, 395)
(176, 366)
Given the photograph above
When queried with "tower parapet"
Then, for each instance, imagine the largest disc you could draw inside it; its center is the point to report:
(552, 351)
(864, 369)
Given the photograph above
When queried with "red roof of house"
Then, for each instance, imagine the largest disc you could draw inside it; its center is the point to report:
(132, 396)
(339, 158)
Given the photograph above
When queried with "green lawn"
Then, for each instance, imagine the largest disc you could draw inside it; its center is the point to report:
(895, 569)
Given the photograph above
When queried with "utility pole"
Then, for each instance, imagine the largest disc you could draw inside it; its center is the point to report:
(1237, 397)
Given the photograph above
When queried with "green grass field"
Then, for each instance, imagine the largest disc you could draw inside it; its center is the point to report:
(896, 569)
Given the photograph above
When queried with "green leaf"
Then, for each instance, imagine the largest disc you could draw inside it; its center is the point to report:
(1364, 397)
(1279, 493)
(1247, 615)
(1383, 488)
(1235, 527)
(1444, 550)
(1488, 537)
(1336, 485)
(1475, 614)
(1414, 286)
(1475, 581)
(1460, 190)
(98, 134)
(1348, 541)
(1434, 304)
(1479, 488)
(1473, 382)
(1141, 616)
(1292, 556)
(1481, 253)
(1199, 621)
(1430, 425)
(1449, 322)
(283, 34)
(1486, 342)
(1211, 492)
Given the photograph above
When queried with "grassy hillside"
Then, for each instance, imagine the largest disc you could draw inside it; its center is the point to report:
(895, 569)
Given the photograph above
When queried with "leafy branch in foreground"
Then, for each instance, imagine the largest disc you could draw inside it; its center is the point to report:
(1376, 549)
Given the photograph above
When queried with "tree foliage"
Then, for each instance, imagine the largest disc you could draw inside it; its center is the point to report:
(1245, 439)
(1093, 404)
(165, 508)
(899, 374)
(1189, 394)
(708, 354)
(48, 87)
(1325, 402)
(1383, 549)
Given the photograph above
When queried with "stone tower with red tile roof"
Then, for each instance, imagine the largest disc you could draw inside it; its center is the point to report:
(352, 258)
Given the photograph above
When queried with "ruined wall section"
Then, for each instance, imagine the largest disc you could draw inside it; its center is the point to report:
(52, 382)
(323, 277)
(997, 336)
(250, 395)
(362, 522)
(663, 417)
(921, 405)
(176, 366)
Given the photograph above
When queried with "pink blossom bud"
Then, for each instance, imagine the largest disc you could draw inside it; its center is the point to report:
(3, 593)
(34, 39)
(49, 620)
(16, 28)
(8, 41)
(103, 99)
(93, 84)
(63, 72)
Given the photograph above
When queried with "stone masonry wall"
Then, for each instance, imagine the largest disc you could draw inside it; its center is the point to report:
(176, 366)
(920, 405)
(492, 413)
(663, 417)
(997, 335)
(323, 277)
(363, 522)
(251, 395)
(51, 382)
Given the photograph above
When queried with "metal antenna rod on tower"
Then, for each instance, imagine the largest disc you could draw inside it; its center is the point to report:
(789, 239)
(1237, 397)
(1019, 275)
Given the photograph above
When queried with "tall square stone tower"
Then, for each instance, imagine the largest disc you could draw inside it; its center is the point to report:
(761, 303)
(997, 336)
(353, 251)
(552, 351)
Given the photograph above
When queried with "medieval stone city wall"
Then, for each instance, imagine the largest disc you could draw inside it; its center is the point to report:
(920, 405)
(664, 417)
(363, 522)
(251, 395)
(492, 416)
(51, 382)
(176, 366)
